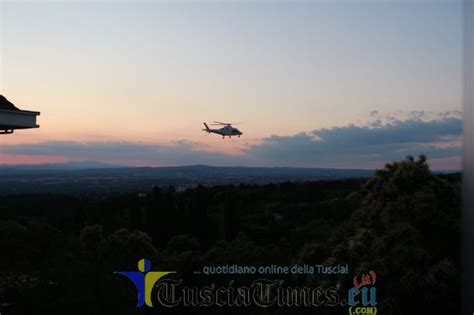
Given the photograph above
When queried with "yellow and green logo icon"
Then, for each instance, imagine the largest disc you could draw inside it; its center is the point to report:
(144, 280)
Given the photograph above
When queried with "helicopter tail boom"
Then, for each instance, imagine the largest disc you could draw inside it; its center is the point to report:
(207, 128)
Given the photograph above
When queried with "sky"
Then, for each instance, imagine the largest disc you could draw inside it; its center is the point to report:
(346, 84)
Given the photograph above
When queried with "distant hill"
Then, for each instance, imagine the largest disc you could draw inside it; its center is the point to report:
(91, 177)
(95, 177)
(61, 166)
(203, 171)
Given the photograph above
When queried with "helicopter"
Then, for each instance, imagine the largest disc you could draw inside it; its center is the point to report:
(226, 130)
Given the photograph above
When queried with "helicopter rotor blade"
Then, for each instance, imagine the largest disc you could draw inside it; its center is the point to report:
(218, 123)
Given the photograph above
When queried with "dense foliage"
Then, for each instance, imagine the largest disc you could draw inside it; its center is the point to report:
(59, 252)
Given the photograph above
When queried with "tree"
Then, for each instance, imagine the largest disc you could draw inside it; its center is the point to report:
(90, 238)
(405, 229)
(124, 248)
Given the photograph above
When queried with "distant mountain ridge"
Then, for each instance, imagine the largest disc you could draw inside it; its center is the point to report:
(198, 168)
(95, 165)
(91, 177)
(78, 165)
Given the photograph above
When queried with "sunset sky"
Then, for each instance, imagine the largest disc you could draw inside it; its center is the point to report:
(350, 84)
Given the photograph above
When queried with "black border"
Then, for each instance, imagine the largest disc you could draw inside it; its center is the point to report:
(468, 162)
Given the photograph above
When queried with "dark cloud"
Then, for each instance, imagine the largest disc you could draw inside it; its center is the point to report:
(408, 131)
(349, 145)
(355, 144)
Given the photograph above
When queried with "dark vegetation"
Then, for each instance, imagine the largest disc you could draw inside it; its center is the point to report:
(58, 252)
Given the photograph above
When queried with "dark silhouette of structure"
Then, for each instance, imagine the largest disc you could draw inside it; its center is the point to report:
(11, 117)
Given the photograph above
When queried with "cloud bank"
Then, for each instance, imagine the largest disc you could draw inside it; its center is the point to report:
(438, 138)
(386, 138)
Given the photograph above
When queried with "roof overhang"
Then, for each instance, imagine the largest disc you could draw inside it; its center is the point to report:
(17, 119)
